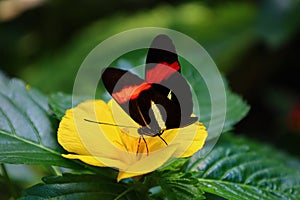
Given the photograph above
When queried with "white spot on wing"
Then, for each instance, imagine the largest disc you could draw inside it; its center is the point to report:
(170, 95)
(158, 115)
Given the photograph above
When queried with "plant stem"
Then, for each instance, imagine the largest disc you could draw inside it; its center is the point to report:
(123, 193)
(12, 189)
(54, 170)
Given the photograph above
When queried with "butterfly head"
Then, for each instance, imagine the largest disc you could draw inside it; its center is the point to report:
(150, 131)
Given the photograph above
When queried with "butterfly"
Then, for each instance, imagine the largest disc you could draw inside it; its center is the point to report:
(160, 101)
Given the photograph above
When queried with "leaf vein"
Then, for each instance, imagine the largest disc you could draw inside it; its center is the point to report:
(12, 129)
(25, 117)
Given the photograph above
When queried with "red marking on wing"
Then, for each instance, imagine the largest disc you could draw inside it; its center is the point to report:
(130, 92)
(161, 71)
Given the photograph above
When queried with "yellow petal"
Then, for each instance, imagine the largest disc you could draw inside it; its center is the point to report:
(95, 161)
(91, 160)
(123, 175)
(191, 139)
(68, 136)
(85, 138)
(148, 163)
(122, 118)
(107, 145)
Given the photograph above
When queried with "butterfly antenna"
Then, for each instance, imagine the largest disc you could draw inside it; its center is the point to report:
(109, 124)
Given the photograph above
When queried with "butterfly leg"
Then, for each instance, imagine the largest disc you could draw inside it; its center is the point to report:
(145, 144)
(138, 147)
(163, 139)
(142, 137)
(159, 135)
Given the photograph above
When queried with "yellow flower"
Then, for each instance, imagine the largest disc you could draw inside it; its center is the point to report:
(112, 146)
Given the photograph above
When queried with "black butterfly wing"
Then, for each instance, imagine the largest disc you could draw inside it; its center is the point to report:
(162, 60)
(132, 93)
(163, 71)
(164, 85)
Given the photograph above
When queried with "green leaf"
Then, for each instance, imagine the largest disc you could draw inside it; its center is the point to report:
(180, 186)
(239, 169)
(173, 185)
(27, 133)
(235, 109)
(60, 102)
(70, 186)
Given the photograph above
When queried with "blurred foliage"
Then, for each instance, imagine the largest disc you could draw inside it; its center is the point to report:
(43, 29)
(52, 40)
(280, 20)
(224, 31)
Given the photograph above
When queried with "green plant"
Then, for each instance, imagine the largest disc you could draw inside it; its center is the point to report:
(236, 168)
